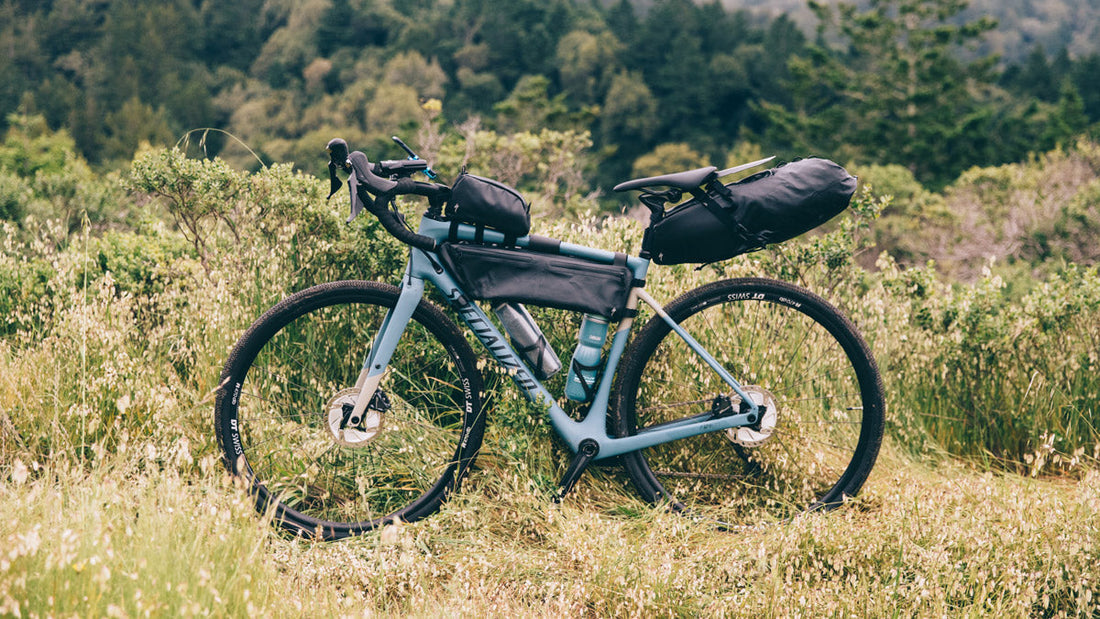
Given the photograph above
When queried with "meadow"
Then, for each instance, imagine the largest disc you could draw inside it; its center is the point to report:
(121, 294)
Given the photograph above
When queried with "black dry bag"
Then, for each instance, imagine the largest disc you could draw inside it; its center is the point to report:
(766, 208)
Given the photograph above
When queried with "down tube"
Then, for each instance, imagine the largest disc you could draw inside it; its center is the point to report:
(497, 345)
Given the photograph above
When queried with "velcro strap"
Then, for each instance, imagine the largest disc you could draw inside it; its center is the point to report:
(543, 244)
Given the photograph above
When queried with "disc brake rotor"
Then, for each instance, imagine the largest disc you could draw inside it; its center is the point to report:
(754, 437)
(350, 430)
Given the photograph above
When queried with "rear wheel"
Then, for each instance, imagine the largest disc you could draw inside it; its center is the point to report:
(793, 353)
(285, 412)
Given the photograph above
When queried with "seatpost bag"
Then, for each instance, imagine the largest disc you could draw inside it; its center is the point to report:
(766, 208)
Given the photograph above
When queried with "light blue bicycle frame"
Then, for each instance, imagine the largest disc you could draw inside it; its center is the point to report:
(426, 267)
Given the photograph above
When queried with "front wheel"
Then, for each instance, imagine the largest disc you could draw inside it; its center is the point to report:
(285, 418)
(794, 354)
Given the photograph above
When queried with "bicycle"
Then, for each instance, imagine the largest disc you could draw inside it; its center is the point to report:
(353, 404)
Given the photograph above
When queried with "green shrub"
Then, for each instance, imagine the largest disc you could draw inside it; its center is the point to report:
(25, 304)
(14, 195)
(1007, 381)
(30, 147)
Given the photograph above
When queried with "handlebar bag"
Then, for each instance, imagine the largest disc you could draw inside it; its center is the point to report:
(485, 202)
(488, 273)
(766, 208)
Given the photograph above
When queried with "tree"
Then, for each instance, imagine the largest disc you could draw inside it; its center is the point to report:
(1070, 121)
(667, 159)
(896, 91)
(586, 63)
(530, 107)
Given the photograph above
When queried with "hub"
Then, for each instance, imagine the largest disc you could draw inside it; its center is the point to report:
(763, 429)
(348, 429)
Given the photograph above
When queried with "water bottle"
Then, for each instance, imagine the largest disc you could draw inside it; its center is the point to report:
(528, 339)
(580, 386)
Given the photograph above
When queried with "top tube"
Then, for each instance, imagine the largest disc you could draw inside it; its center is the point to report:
(440, 231)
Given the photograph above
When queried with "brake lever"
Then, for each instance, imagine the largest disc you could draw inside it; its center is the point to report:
(337, 157)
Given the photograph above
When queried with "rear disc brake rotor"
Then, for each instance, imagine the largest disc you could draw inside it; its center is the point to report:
(753, 437)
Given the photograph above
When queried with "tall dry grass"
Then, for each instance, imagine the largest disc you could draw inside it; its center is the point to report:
(113, 502)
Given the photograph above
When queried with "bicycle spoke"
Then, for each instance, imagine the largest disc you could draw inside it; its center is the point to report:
(351, 479)
(783, 353)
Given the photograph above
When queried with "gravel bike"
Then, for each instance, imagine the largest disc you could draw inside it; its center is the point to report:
(353, 404)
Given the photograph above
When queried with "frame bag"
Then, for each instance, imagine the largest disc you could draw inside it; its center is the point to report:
(766, 208)
(485, 202)
(498, 274)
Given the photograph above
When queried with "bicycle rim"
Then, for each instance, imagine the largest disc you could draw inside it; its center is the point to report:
(290, 383)
(793, 353)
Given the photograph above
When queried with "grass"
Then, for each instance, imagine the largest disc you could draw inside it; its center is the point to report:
(113, 502)
(135, 536)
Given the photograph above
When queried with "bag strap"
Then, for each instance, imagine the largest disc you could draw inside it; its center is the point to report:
(479, 234)
(589, 388)
(727, 215)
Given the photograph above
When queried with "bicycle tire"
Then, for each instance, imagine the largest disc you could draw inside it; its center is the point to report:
(794, 352)
(330, 479)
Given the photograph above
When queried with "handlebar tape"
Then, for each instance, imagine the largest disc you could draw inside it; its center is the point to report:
(385, 189)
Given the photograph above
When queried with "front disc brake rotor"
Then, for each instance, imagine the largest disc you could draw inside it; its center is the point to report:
(348, 429)
(754, 437)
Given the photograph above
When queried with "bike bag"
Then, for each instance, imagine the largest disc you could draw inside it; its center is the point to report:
(766, 208)
(491, 273)
(485, 202)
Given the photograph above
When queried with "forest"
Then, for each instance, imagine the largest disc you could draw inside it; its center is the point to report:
(906, 82)
(162, 185)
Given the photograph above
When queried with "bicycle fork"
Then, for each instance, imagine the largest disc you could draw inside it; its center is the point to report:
(385, 342)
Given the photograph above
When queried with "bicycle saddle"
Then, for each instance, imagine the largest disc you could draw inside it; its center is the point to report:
(685, 181)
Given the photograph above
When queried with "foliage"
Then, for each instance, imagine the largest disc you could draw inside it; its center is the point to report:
(113, 337)
(678, 156)
(547, 166)
(907, 82)
(1004, 378)
(904, 228)
(41, 177)
(30, 147)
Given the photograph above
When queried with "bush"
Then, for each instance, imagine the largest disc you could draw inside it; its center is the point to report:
(14, 195)
(1009, 382)
(977, 369)
(25, 291)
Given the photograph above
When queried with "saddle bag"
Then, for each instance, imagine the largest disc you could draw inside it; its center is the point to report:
(489, 273)
(485, 202)
(766, 208)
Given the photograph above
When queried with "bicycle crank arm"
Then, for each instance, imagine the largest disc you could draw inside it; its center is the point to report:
(587, 451)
